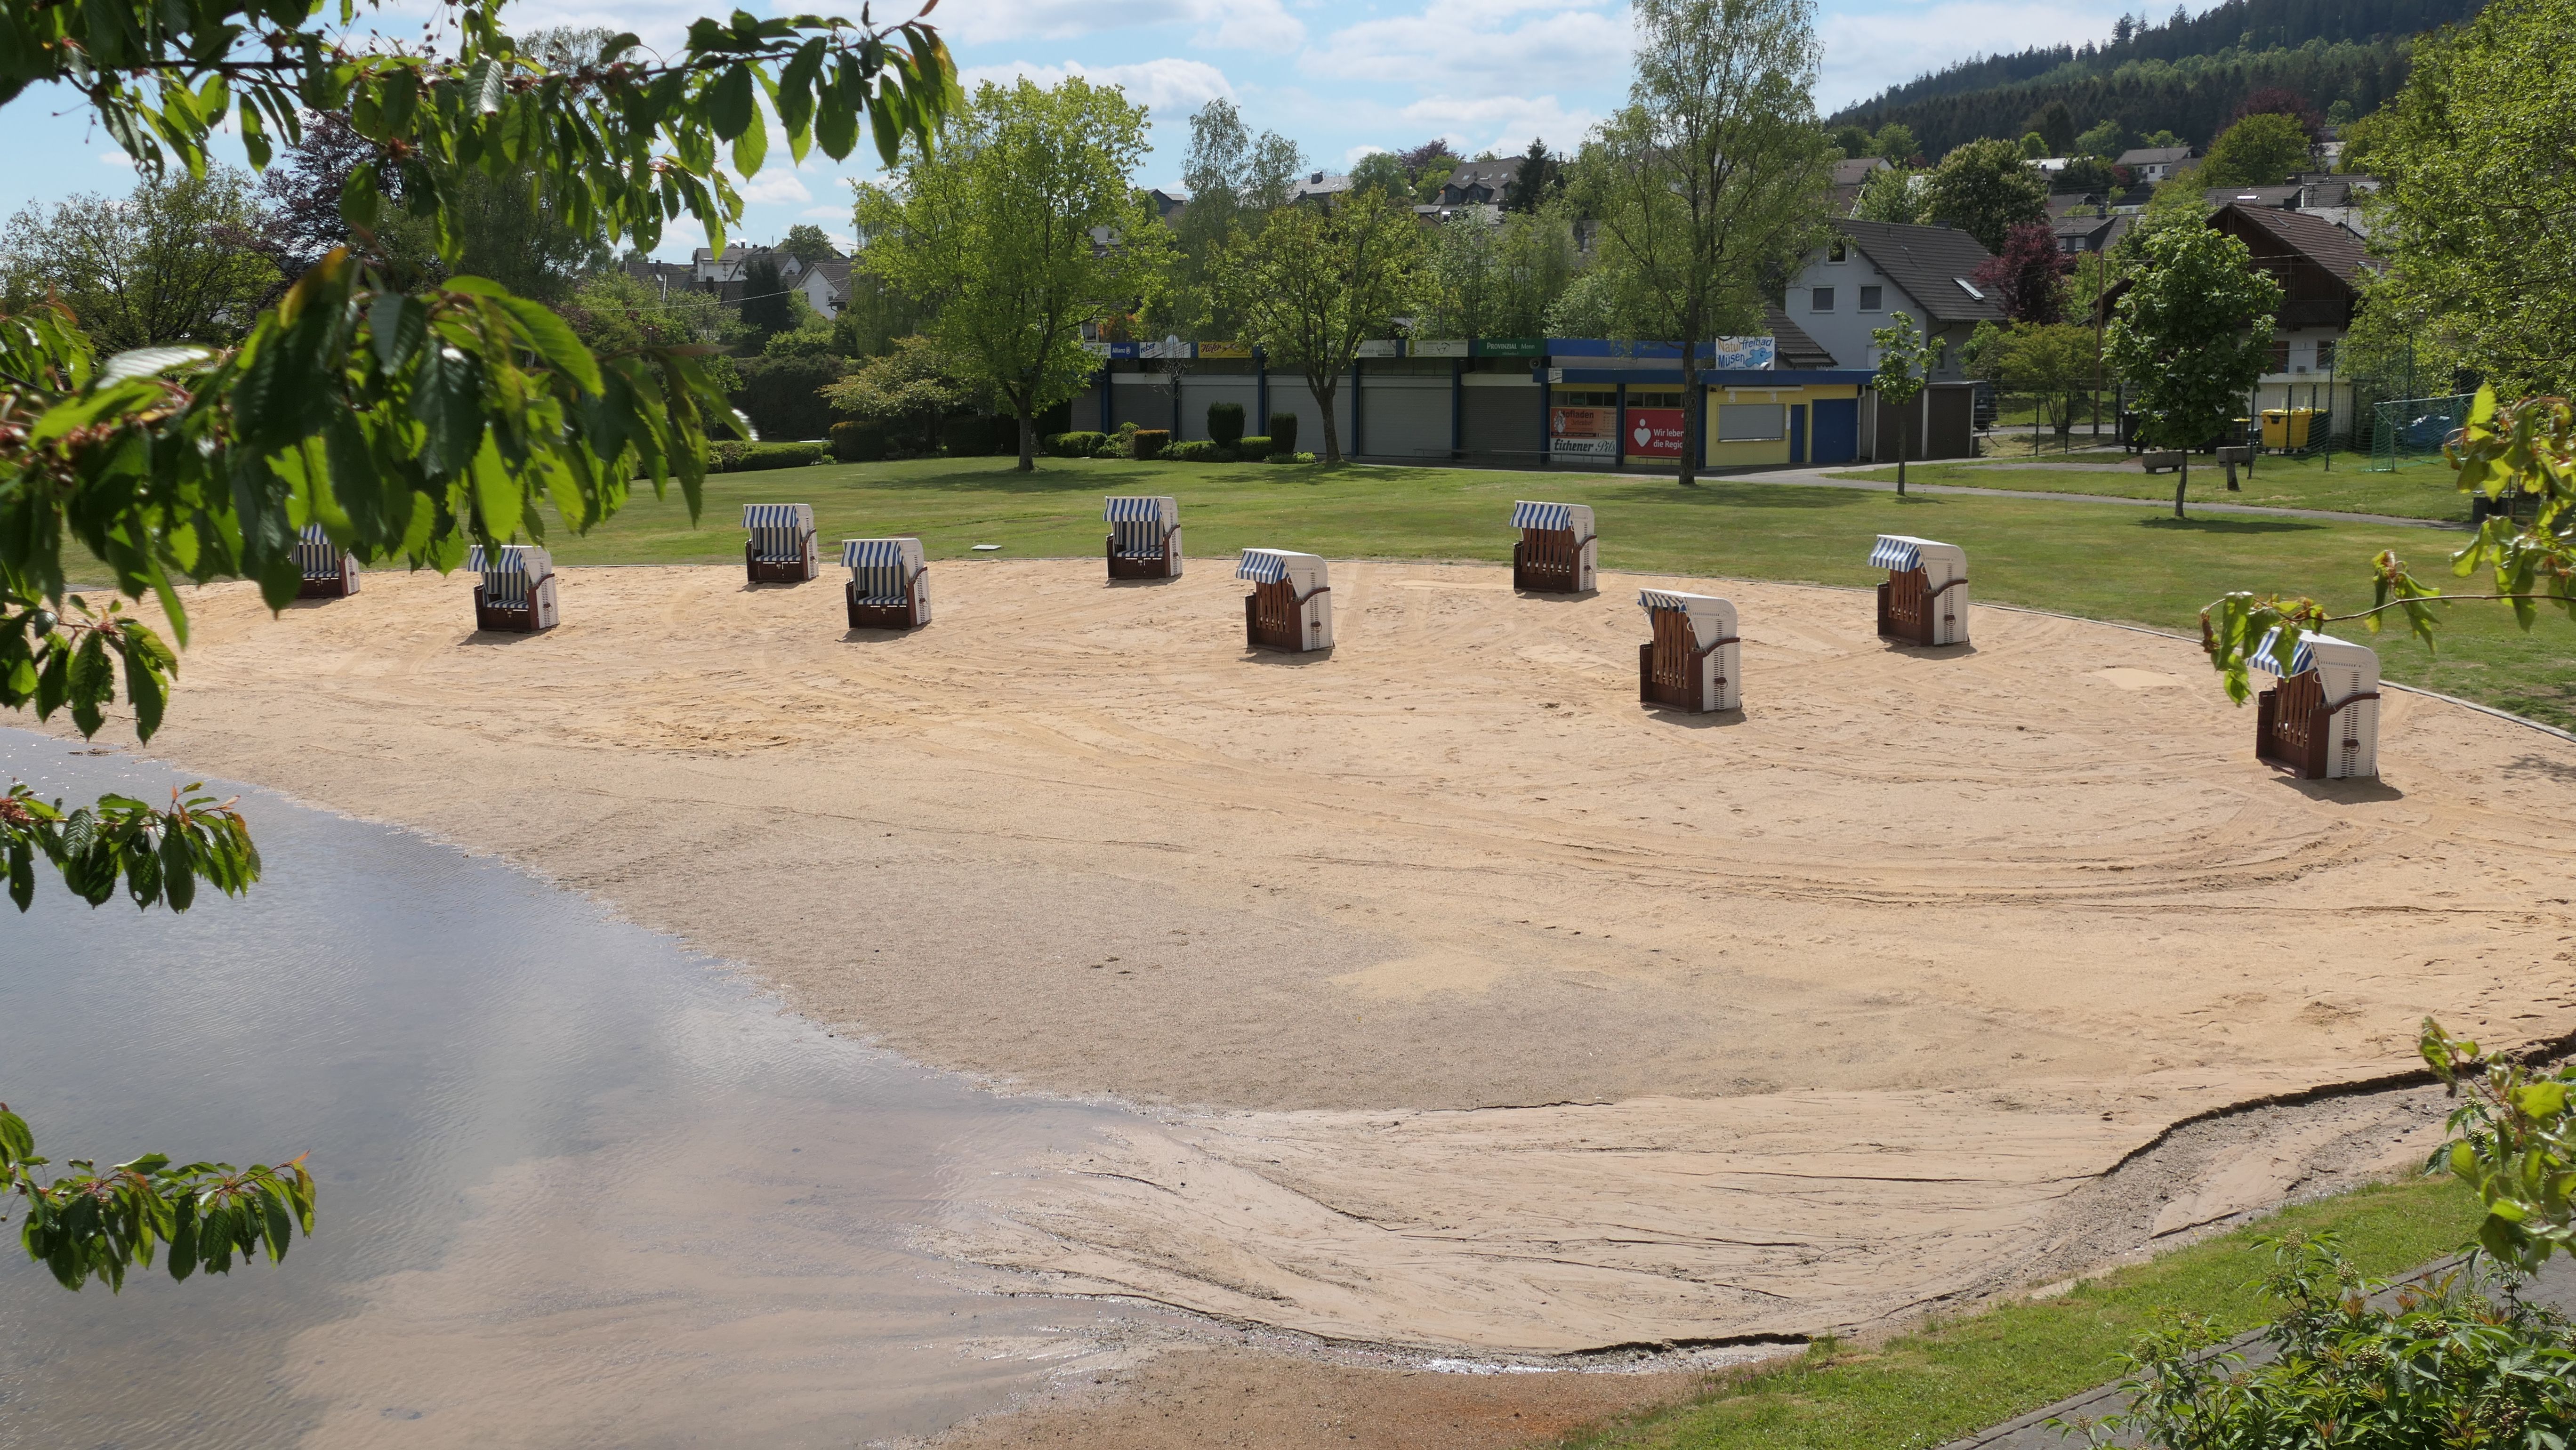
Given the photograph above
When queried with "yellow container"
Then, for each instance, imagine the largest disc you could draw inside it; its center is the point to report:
(2287, 427)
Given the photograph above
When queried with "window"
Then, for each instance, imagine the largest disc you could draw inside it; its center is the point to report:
(2280, 362)
(1654, 397)
(1824, 300)
(1870, 298)
(1751, 422)
(2325, 355)
(1582, 398)
(1839, 251)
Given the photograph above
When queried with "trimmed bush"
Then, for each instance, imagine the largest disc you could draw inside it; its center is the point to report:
(1074, 445)
(1197, 451)
(1150, 442)
(859, 442)
(1253, 445)
(733, 457)
(1283, 432)
(1113, 445)
(973, 435)
(1225, 424)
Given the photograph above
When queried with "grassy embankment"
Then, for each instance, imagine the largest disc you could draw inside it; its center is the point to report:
(1951, 1379)
(2421, 491)
(2084, 559)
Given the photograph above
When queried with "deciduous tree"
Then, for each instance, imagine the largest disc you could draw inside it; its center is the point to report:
(1020, 227)
(1316, 283)
(2264, 149)
(1985, 188)
(2191, 334)
(1712, 180)
(174, 262)
(1906, 361)
(2024, 272)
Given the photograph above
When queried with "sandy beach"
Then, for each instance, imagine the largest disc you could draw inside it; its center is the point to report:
(1479, 1007)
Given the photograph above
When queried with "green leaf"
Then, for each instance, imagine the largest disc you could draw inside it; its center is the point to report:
(751, 147)
(729, 102)
(552, 340)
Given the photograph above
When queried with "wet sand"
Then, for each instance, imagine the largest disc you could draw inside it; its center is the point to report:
(1479, 1006)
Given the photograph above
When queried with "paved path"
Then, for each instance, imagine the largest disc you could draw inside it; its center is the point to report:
(2555, 1285)
(1817, 478)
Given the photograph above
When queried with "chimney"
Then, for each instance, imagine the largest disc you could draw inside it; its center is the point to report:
(1316, 180)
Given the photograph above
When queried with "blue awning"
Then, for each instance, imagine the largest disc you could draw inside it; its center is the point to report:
(1527, 515)
(1262, 566)
(1132, 510)
(2302, 659)
(776, 516)
(871, 553)
(1895, 553)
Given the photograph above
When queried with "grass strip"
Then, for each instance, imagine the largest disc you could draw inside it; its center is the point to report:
(2418, 492)
(2081, 559)
(1955, 1378)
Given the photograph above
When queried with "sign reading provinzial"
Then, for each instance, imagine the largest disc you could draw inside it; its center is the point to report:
(1511, 347)
(1654, 432)
(1584, 432)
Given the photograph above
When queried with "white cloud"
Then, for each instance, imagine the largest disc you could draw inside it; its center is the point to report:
(825, 213)
(1503, 125)
(116, 158)
(1352, 156)
(1224, 23)
(1495, 47)
(1167, 85)
(1865, 53)
(775, 184)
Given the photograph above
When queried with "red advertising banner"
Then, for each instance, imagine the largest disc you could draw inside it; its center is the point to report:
(1586, 432)
(1654, 432)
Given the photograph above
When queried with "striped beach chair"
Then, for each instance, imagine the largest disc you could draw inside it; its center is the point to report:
(1290, 606)
(516, 591)
(1695, 660)
(781, 549)
(2321, 722)
(889, 586)
(1925, 598)
(330, 572)
(1558, 552)
(1144, 537)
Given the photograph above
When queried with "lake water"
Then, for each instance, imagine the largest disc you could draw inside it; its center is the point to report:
(578, 1185)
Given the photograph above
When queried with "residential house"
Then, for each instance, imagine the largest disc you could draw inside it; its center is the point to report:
(1324, 188)
(723, 275)
(1167, 203)
(2152, 164)
(2323, 270)
(1849, 177)
(825, 284)
(1874, 269)
(1486, 183)
(2097, 229)
(663, 277)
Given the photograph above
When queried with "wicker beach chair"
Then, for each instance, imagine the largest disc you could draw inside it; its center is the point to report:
(2321, 722)
(889, 586)
(781, 549)
(1144, 537)
(1290, 606)
(1695, 660)
(330, 572)
(1925, 598)
(1558, 552)
(516, 593)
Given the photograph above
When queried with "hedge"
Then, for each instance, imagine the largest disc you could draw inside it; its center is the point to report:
(733, 457)
(1150, 442)
(1283, 432)
(780, 394)
(1225, 424)
(860, 442)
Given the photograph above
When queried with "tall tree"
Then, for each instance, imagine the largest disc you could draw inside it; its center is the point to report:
(806, 243)
(1891, 195)
(174, 262)
(2477, 191)
(1461, 279)
(1713, 178)
(405, 423)
(1985, 188)
(2025, 272)
(1906, 361)
(1021, 227)
(1234, 179)
(2264, 149)
(2191, 334)
(1536, 182)
(766, 309)
(1315, 283)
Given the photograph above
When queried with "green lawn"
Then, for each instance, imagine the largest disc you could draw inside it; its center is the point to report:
(2418, 492)
(2081, 559)
(1981, 1370)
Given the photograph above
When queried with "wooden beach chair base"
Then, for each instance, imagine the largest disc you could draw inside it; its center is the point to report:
(2295, 726)
(1547, 561)
(1274, 618)
(778, 571)
(1672, 666)
(866, 613)
(502, 619)
(330, 586)
(1138, 566)
(1910, 609)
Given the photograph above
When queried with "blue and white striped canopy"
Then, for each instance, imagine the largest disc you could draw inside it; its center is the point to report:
(316, 555)
(777, 516)
(1526, 515)
(1651, 600)
(1262, 566)
(1895, 553)
(2302, 659)
(316, 534)
(517, 560)
(872, 553)
(1121, 509)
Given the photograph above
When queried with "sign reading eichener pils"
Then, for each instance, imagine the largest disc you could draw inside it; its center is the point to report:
(1589, 432)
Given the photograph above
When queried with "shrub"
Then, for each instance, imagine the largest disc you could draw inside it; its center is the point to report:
(1283, 432)
(1196, 451)
(1225, 424)
(782, 396)
(733, 457)
(1150, 442)
(858, 442)
(1074, 445)
(1114, 445)
(1284, 456)
(1253, 446)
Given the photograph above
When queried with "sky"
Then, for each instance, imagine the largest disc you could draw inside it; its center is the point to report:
(1339, 77)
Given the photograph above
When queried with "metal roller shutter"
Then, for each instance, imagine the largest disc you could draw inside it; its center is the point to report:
(1502, 421)
(1407, 417)
(1143, 399)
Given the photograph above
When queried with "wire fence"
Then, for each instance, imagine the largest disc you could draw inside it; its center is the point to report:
(2409, 431)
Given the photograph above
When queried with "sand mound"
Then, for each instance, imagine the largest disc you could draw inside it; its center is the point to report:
(1508, 1012)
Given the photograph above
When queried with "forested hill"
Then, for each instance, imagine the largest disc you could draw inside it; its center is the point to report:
(2185, 75)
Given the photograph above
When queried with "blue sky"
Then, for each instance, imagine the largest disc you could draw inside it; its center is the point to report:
(1339, 77)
